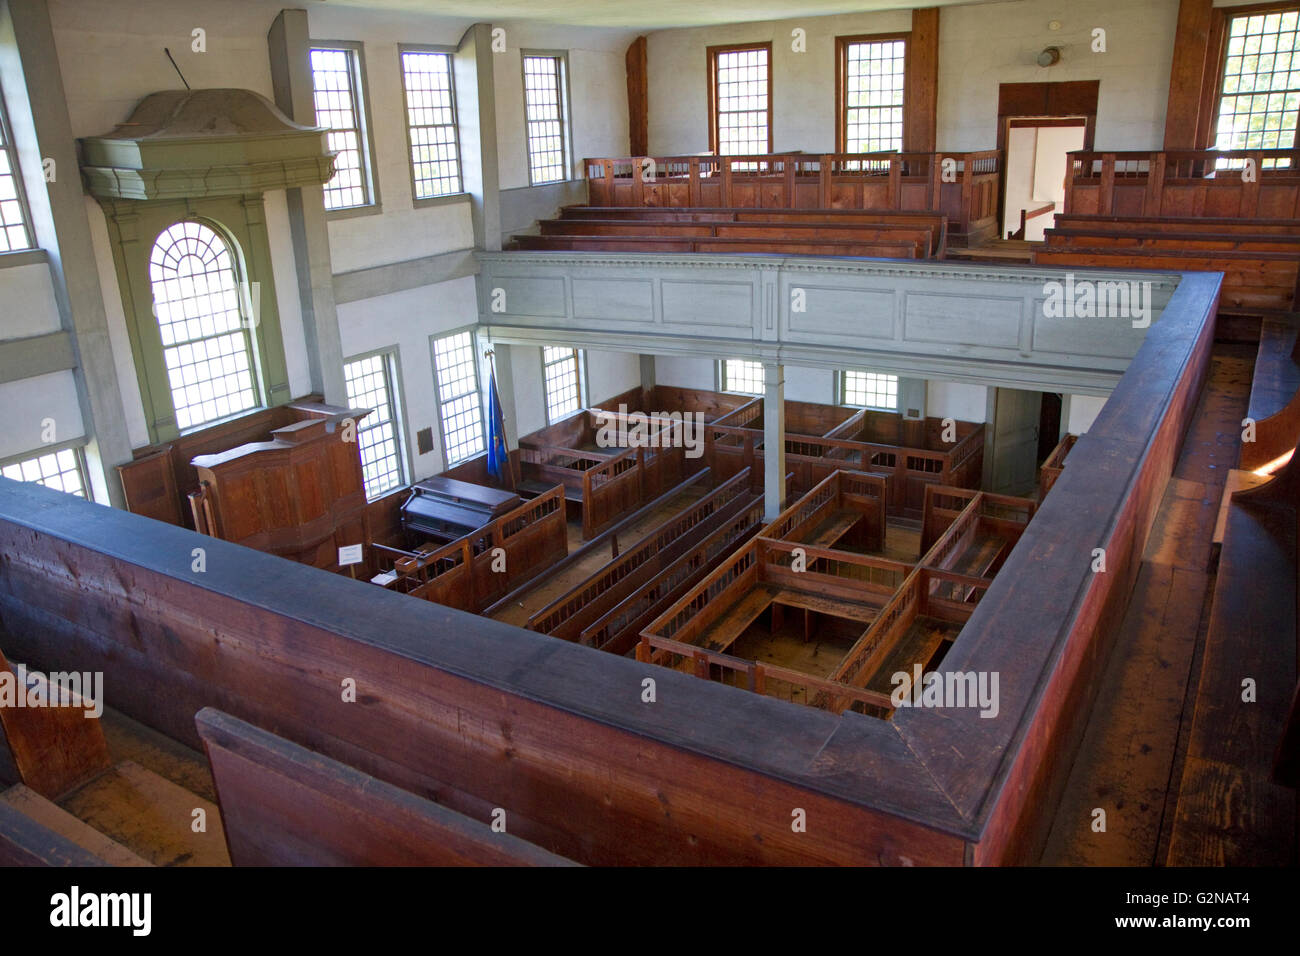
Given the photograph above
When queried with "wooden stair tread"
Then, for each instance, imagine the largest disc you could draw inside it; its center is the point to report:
(150, 815)
(53, 817)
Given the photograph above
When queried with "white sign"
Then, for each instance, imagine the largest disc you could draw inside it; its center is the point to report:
(350, 554)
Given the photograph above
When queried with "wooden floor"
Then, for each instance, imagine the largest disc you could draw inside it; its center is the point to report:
(1129, 762)
(563, 580)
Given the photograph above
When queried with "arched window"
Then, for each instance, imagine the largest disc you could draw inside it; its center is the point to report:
(207, 349)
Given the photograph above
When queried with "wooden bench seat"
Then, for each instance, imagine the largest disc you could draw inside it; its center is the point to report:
(1262, 282)
(803, 600)
(882, 249)
(789, 231)
(1218, 242)
(532, 487)
(918, 646)
(728, 628)
(1177, 224)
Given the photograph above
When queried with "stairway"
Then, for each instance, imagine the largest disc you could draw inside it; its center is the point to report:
(128, 814)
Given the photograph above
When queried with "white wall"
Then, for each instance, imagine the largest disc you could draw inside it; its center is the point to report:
(406, 320)
(28, 296)
(980, 46)
(597, 93)
(29, 402)
(1084, 410)
(957, 400)
(611, 373)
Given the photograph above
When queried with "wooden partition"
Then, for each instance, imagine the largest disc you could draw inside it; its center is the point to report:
(1205, 182)
(284, 805)
(964, 186)
(1053, 464)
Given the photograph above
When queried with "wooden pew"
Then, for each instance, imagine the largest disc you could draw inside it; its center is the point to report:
(1180, 224)
(884, 249)
(1096, 238)
(26, 842)
(1264, 282)
(285, 805)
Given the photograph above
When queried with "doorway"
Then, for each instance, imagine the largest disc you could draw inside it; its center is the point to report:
(1035, 170)
(1060, 109)
(1013, 458)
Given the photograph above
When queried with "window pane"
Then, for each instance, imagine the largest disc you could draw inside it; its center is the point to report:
(431, 119)
(563, 393)
(199, 304)
(545, 119)
(873, 96)
(60, 470)
(741, 98)
(1260, 99)
(370, 385)
(338, 109)
(458, 396)
(739, 375)
(14, 233)
(871, 389)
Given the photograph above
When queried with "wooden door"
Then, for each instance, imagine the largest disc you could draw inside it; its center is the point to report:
(1015, 440)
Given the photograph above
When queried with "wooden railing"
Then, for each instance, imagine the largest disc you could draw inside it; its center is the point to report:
(1239, 183)
(1028, 214)
(1053, 465)
(963, 186)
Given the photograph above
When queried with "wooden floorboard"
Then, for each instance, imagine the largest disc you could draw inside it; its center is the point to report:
(1128, 754)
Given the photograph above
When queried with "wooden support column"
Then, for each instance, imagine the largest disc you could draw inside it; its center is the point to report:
(773, 440)
(1188, 74)
(638, 99)
(920, 119)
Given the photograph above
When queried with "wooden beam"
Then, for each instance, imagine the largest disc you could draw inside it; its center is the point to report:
(1188, 73)
(920, 116)
(638, 106)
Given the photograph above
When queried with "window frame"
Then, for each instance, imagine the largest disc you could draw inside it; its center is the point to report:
(711, 82)
(397, 403)
(78, 448)
(478, 390)
(20, 188)
(566, 118)
(841, 389)
(243, 284)
(721, 376)
(842, 44)
(1221, 31)
(450, 52)
(579, 367)
(361, 104)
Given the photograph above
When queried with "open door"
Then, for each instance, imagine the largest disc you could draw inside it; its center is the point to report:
(1016, 417)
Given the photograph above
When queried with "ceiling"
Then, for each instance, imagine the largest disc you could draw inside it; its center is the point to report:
(644, 14)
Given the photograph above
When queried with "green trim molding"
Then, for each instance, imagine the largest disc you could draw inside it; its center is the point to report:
(209, 156)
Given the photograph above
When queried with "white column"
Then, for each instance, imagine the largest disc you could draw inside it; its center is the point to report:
(773, 439)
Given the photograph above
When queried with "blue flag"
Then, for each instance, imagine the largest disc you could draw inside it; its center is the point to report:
(497, 457)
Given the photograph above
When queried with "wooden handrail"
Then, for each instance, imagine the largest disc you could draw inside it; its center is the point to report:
(1027, 214)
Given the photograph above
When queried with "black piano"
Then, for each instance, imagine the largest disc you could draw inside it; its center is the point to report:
(444, 509)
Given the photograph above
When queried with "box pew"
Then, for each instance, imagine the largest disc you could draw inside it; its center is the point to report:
(1181, 224)
(567, 615)
(531, 538)
(618, 629)
(1053, 465)
(285, 805)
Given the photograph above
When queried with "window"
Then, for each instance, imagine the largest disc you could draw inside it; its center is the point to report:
(869, 389)
(431, 123)
(545, 107)
(60, 470)
(563, 391)
(740, 99)
(199, 304)
(870, 82)
(738, 375)
(1260, 94)
(13, 222)
(370, 384)
(336, 81)
(459, 404)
